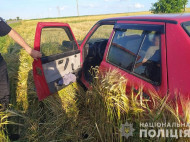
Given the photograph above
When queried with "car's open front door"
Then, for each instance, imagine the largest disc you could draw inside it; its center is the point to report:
(60, 62)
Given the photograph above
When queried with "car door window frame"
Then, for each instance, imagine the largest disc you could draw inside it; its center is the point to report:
(70, 37)
(122, 26)
(92, 31)
(184, 26)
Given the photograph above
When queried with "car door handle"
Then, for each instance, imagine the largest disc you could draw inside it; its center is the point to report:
(60, 62)
(66, 63)
(135, 90)
(72, 66)
(145, 96)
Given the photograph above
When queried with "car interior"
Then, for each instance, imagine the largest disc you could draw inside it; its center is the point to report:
(93, 55)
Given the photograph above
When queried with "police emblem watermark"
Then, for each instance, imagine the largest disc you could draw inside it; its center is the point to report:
(127, 130)
(157, 129)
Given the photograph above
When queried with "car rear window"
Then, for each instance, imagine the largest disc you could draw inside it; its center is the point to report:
(186, 27)
(136, 49)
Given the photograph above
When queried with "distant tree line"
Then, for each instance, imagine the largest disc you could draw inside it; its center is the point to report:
(169, 6)
(17, 18)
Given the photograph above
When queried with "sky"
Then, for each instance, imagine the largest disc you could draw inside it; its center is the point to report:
(32, 9)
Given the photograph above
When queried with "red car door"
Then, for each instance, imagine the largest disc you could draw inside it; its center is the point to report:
(60, 60)
(127, 53)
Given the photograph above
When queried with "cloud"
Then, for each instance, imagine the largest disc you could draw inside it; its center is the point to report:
(138, 5)
(62, 8)
(90, 5)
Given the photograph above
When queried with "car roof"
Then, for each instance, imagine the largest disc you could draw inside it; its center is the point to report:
(168, 18)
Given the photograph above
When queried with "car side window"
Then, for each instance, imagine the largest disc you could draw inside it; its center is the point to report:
(124, 48)
(56, 41)
(102, 33)
(137, 51)
(148, 65)
(98, 39)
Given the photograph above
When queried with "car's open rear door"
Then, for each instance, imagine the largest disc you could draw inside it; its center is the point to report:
(60, 61)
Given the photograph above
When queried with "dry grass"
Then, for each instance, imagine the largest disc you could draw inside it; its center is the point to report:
(95, 115)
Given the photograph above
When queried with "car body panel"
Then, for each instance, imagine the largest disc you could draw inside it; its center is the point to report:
(178, 56)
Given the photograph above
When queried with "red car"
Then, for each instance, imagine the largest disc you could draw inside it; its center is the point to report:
(151, 51)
